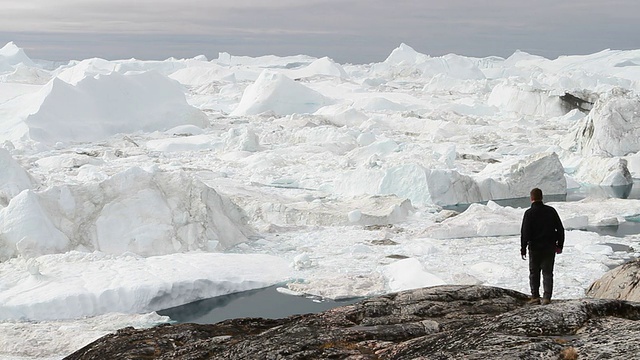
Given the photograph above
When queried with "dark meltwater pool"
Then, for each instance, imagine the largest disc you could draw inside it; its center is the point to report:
(265, 303)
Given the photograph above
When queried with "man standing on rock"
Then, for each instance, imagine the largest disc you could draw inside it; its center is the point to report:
(543, 233)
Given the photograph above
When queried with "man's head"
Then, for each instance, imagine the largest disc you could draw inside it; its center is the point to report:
(536, 195)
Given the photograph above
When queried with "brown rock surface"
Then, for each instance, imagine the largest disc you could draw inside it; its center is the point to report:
(444, 322)
(621, 283)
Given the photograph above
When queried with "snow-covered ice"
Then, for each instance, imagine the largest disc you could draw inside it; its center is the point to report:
(131, 186)
(76, 285)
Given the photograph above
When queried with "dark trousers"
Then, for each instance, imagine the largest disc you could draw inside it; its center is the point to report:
(541, 260)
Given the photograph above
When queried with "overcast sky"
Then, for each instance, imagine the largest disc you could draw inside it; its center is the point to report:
(355, 31)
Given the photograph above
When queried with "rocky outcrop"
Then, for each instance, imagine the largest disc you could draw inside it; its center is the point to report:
(621, 283)
(444, 322)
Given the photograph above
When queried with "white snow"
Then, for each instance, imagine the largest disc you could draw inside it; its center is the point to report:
(409, 274)
(130, 186)
(51, 339)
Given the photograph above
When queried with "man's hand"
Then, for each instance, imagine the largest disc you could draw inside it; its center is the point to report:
(558, 250)
(523, 254)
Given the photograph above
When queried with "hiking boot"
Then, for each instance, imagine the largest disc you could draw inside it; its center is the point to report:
(546, 301)
(534, 301)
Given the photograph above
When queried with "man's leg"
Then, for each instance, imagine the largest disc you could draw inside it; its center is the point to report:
(547, 261)
(534, 274)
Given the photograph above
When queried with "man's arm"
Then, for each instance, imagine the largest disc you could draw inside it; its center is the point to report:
(524, 235)
(559, 231)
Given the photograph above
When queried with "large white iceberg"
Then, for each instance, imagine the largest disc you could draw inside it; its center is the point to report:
(13, 178)
(516, 178)
(612, 128)
(97, 108)
(11, 55)
(146, 213)
(405, 61)
(525, 99)
(278, 93)
(426, 186)
(76, 284)
(320, 67)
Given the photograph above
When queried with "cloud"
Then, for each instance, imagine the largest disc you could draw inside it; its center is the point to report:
(296, 16)
(347, 30)
(144, 16)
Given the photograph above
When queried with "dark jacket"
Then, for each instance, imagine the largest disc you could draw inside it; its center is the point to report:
(542, 229)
